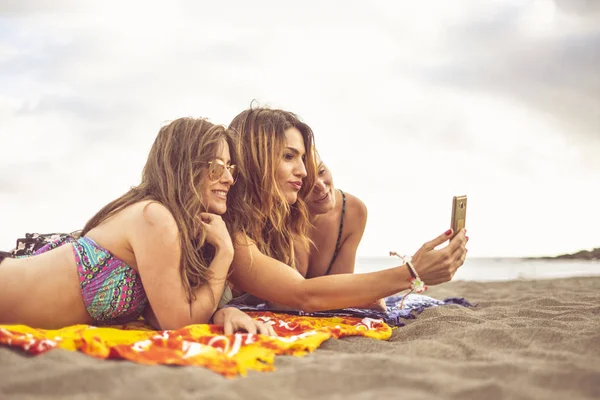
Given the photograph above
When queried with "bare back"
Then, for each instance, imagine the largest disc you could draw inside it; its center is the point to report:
(44, 291)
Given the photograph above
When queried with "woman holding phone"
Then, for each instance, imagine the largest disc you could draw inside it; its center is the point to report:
(278, 155)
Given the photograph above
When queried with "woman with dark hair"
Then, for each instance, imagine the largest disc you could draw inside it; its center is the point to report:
(278, 157)
(161, 249)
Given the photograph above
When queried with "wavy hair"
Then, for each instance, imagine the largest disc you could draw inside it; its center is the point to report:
(262, 212)
(172, 176)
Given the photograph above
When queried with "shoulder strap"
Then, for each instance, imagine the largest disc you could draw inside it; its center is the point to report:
(339, 238)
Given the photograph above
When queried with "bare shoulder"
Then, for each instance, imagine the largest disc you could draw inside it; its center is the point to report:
(356, 208)
(152, 218)
(241, 239)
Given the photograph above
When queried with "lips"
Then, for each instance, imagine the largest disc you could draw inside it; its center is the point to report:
(296, 185)
(221, 194)
(323, 199)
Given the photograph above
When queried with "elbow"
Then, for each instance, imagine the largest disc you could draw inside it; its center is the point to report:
(170, 324)
(307, 300)
(177, 322)
(174, 325)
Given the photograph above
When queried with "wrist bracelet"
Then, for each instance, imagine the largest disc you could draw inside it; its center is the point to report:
(416, 284)
(411, 269)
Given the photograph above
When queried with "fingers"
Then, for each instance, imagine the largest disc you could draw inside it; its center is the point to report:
(459, 240)
(459, 254)
(206, 217)
(462, 252)
(459, 249)
(209, 217)
(249, 326)
(228, 327)
(262, 328)
(246, 323)
(432, 244)
(265, 329)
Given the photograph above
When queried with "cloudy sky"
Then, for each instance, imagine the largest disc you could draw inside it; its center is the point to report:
(410, 105)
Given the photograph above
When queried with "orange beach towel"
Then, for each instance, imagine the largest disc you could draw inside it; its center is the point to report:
(201, 345)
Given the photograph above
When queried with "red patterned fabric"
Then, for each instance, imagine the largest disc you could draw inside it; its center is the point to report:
(200, 345)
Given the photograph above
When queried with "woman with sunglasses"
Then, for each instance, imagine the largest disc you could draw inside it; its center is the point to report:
(161, 249)
(278, 155)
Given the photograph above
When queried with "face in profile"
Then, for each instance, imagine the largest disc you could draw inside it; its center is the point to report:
(321, 199)
(291, 170)
(219, 177)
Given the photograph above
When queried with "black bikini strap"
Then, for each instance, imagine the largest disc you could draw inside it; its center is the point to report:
(4, 254)
(339, 238)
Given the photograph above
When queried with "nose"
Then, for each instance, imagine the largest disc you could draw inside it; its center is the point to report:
(227, 177)
(300, 170)
(320, 186)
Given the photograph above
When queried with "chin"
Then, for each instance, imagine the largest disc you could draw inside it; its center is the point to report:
(217, 209)
(324, 209)
(291, 198)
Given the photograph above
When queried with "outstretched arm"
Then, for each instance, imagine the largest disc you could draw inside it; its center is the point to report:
(276, 282)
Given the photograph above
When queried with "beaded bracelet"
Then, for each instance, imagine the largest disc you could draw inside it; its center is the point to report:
(416, 284)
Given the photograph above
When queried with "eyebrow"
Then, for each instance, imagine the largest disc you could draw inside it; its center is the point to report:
(294, 150)
(226, 162)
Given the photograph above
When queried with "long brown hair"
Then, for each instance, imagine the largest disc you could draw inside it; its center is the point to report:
(172, 176)
(263, 213)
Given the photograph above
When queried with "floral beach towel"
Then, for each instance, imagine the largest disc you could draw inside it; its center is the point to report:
(201, 345)
(207, 346)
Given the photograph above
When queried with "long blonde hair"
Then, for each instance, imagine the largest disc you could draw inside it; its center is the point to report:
(258, 208)
(172, 176)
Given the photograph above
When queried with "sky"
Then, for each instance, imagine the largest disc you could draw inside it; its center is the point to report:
(411, 103)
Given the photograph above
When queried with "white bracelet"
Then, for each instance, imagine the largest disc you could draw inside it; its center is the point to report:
(416, 284)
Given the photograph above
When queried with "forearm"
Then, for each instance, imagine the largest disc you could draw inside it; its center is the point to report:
(347, 290)
(209, 294)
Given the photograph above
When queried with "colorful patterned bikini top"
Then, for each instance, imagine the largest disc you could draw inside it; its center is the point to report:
(112, 291)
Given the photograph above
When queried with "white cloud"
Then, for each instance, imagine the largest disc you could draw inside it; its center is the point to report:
(411, 104)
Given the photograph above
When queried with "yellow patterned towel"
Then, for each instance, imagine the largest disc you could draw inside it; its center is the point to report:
(202, 345)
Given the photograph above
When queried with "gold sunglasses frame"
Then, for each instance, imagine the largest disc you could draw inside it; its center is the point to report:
(229, 168)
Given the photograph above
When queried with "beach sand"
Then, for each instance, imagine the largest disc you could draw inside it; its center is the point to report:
(523, 340)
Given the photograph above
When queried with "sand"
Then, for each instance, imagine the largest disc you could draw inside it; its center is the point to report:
(524, 340)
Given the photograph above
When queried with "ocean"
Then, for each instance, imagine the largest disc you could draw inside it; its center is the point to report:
(498, 269)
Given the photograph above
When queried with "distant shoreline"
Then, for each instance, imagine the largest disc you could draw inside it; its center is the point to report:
(583, 255)
(591, 255)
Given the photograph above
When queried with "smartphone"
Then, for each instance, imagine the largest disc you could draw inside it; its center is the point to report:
(459, 213)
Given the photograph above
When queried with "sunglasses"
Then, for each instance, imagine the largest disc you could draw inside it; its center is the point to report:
(216, 169)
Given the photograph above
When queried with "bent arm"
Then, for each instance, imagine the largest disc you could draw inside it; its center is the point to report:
(276, 282)
(156, 245)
